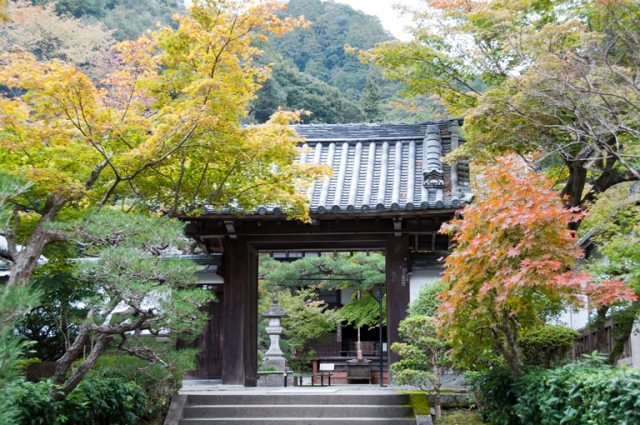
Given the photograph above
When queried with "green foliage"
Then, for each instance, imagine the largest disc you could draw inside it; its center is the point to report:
(423, 354)
(364, 311)
(587, 392)
(130, 291)
(157, 382)
(556, 71)
(614, 224)
(427, 302)
(14, 303)
(131, 271)
(579, 393)
(51, 324)
(127, 18)
(371, 100)
(496, 396)
(291, 89)
(268, 368)
(320, 52)
(546, 345)
(307, 319)
(359, 272)
(10, 187)
(312, 70)
(104, 401)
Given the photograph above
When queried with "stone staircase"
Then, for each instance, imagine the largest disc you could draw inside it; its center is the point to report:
(383, 408)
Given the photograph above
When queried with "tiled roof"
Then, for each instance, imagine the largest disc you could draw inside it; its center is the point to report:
(383, 167)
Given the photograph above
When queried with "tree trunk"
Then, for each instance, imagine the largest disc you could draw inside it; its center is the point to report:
(26, 259)
(65, 386)
(514, 358)
(73, 353)
(437, 405)
(573, 188)
(437, 389)
(622, 332)
(601, 343)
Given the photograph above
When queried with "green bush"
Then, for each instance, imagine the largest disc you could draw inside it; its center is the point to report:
(579, 394)
(495, 395)
(159, 382)
(585, 393)
(547, 345)
(105, 401)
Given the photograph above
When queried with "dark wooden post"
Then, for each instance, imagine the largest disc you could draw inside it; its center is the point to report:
(210, 358)
(397, 288)
(240, 325)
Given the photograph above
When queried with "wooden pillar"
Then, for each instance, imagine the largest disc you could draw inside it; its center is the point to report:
(240, 326)
(210, 357)
(397, 255)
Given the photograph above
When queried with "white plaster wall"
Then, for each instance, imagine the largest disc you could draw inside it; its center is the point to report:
(209, 278)
(575, 319)
(420, 278)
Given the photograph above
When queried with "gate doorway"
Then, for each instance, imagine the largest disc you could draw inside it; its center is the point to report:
(390, 192)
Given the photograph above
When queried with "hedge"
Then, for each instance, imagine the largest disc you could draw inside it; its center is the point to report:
(584, 393)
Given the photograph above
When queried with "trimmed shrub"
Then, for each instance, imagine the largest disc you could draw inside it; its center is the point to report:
(585, 393)
(547, 345)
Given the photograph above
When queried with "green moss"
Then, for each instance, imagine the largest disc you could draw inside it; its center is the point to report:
(419, 402)
(460, 417)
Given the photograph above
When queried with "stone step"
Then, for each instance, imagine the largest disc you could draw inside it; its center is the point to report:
(297, 411)
(307, 399)
(298, 421)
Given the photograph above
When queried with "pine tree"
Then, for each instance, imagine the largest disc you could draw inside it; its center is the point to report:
(371, 100)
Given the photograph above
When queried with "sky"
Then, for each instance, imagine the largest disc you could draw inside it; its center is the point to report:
(391, 19)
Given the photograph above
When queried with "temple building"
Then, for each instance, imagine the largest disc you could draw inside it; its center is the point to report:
(389, 192)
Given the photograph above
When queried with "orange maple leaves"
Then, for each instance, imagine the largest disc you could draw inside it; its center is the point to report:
(515, 257)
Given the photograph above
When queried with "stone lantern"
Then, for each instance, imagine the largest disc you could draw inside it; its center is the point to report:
(274, 355)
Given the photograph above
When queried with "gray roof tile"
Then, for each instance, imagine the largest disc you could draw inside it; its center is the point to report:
(383, 167)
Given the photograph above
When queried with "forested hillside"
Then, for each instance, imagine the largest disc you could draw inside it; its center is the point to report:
(126, 18)
(310, 68)
(312, 71)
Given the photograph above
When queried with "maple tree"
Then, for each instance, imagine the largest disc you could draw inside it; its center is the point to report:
(162, 131)
(528, 75)
(512, 262)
